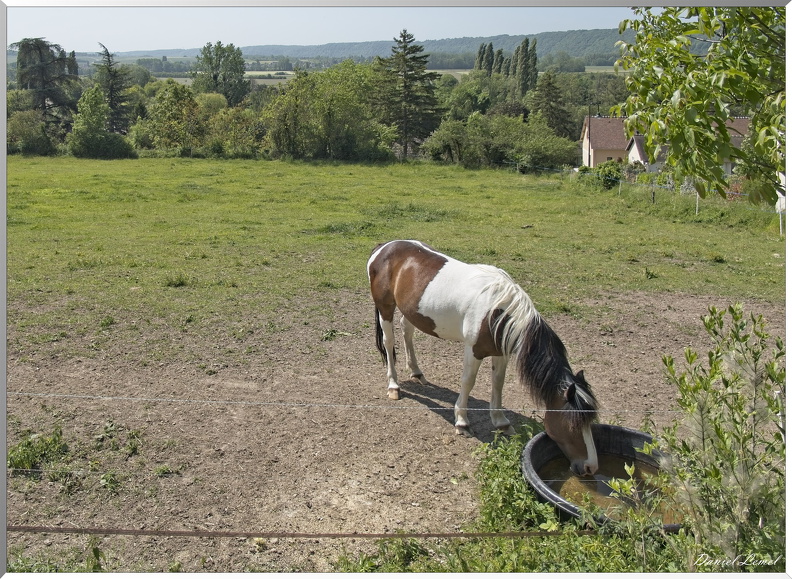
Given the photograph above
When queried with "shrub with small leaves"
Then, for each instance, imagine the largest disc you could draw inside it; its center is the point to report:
(729, 447)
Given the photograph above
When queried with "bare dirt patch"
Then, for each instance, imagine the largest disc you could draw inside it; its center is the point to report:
(302, 437)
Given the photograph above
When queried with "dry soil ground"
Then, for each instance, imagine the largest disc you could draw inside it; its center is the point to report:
(304, 439)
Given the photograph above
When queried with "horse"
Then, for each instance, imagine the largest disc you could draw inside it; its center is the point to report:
(482, 307)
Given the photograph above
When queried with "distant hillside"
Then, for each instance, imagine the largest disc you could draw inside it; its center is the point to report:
(577, 43)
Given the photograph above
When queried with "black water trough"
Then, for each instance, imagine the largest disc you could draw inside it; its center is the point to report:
(608, 439)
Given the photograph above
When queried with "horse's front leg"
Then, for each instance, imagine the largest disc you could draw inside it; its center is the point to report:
(412, 361)
(469, 372)
(499, 420)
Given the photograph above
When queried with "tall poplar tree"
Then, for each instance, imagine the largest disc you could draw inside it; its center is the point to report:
(497, 64)
(406, 93)
(533, 71)
(521, 72)
(489, 59)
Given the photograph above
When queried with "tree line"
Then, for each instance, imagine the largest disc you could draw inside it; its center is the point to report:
(388, 108)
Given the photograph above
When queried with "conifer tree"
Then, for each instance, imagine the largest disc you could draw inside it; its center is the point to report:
(406, 94)
(43, 69)
(114, 81)
(548, 101)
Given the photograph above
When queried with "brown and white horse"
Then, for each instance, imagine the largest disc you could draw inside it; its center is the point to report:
(481, 306)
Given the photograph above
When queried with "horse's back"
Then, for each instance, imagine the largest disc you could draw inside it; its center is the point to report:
(440, 295)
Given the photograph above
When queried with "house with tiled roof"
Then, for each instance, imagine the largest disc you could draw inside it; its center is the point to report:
(603, 139)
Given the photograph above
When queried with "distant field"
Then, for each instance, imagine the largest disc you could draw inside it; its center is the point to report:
(606, 69)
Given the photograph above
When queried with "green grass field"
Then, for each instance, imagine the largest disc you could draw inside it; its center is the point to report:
(191, 241)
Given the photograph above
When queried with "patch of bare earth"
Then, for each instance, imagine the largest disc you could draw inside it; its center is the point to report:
(301, 437)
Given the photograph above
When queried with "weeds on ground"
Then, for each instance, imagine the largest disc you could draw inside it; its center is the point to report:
(36, 450)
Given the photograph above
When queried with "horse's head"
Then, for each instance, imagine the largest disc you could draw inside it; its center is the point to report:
(568, 422)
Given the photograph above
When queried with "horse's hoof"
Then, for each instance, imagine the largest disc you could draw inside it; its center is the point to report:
(507, 430)
(420, 378)
(464, 431)
(394, 394)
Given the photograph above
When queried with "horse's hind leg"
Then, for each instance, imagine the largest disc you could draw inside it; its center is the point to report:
(499, 420)
(389, 341)
(412, 362)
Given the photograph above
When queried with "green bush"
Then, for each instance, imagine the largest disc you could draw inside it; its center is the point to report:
(609, 173)
(26, 134)
(729, 448)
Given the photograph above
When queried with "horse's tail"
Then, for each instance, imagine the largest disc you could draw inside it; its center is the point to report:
(380, 336)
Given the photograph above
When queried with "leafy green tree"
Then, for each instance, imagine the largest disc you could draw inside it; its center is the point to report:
(498, 140)
(90, 136)
(174, 118)
(327, 115)
(114, 81)
(448, 142)
(405, 95)
(694, 69)
(221, 69)
(286, 118)
(540, 149)
(476, 92)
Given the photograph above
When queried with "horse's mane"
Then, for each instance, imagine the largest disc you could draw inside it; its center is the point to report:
(512, 307)
(542, 363)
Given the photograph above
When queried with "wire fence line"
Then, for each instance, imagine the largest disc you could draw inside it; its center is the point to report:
(282, 404)
(670, 187)
(198, 533)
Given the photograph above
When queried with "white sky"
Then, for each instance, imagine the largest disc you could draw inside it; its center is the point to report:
(123, 29)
